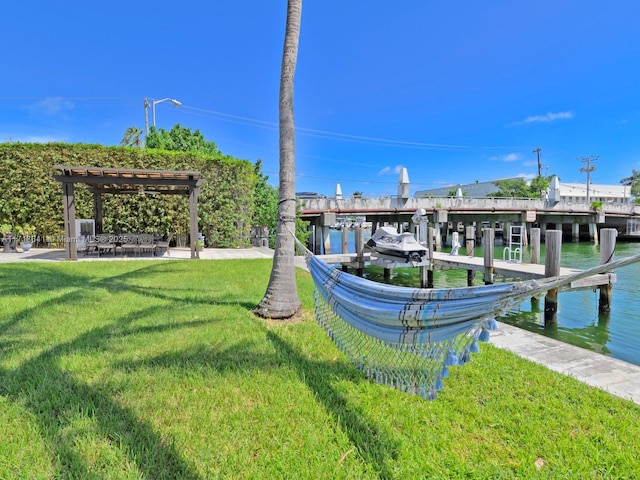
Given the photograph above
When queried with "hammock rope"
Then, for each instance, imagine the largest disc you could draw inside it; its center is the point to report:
(406, 338)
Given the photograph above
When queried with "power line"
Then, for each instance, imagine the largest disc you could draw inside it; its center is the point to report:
(342, 136)
(254, 122)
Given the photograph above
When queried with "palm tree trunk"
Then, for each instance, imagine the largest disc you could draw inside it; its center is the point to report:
(281, 300)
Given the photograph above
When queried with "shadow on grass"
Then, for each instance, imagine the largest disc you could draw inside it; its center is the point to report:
(21, 279)
(57, 400)
(373, 445)
(239, 357)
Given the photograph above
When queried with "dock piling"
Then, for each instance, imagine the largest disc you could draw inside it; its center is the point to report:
(553, 243)
(607, 252)
(535, 245)
(470, 244)
(359, 241)
(488, 238)
(345, 244)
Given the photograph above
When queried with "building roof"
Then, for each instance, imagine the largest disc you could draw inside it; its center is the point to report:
(471, 190)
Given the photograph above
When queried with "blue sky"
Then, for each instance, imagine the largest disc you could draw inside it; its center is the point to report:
(453, 91)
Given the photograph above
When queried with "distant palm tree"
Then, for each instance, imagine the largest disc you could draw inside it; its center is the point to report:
(633, 181)
(281, 299)
(132, 137)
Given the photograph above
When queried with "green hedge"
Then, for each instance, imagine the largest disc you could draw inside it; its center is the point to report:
(30, 195)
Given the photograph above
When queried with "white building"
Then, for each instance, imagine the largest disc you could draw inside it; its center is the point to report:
(558, 191)
(577, 192)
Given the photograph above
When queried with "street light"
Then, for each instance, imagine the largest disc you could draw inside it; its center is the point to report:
(153, 104)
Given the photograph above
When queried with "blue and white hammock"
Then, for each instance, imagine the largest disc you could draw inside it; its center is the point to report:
(407, 338)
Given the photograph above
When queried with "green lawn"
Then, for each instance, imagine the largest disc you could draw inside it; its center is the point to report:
(155, 370)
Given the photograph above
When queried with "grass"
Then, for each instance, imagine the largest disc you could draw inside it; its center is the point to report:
(158, 370)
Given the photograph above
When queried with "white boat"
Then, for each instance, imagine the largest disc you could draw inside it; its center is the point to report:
(387, 242)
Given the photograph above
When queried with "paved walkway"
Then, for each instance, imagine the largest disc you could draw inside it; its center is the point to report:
(617, 377)
(56, 255)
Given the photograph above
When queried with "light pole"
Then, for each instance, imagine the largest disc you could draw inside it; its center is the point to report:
(153, 104)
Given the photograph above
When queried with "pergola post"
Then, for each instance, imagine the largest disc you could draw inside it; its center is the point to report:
(97, 210)
(193, 221)
(69, 208)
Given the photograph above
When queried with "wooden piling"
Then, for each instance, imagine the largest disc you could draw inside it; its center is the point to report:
(525, 235)
(535, 246)
(607, 252)
(470, 240)
(488, 238)
(438, 235)
(553, 242)
(345, 245)
(359, 241)
(424, 277)
(470, 245)
(345, 239)
(426, 272)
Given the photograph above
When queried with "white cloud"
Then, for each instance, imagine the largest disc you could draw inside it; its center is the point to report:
(512, 157)
(52, 106)
(391, 170)
(509, 157)
(549, 117)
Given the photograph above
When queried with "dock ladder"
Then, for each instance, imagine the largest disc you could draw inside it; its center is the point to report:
(514, 250)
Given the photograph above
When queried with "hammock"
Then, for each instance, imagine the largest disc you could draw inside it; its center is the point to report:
(407, 338)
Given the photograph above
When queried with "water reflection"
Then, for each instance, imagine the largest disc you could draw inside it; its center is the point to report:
(593, 335)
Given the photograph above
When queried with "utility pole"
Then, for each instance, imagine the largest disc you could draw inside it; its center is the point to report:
(538, 150)
(146, 118)
(588, 169)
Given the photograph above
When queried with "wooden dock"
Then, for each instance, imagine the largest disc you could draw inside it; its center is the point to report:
(519, 271)
(511, 270)
(489, 266)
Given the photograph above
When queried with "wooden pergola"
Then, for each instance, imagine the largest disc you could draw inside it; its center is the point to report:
(121, 181)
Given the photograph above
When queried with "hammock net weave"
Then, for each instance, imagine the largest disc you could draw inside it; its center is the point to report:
(407, 338)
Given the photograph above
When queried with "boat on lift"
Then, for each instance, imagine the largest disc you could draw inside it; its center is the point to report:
(388, 243)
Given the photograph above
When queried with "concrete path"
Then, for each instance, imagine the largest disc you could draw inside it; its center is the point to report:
(56, 255)
(617, 377)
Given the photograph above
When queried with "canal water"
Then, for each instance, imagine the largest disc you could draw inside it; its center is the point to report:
(616, 334)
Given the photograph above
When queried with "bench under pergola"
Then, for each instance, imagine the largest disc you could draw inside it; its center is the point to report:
(123, 181)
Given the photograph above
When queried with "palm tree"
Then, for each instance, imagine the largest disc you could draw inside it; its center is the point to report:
(281, 299)
(633, 181)
(131, 137)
